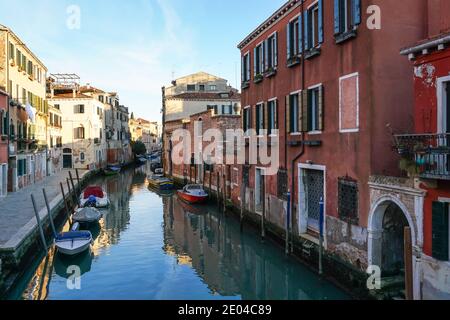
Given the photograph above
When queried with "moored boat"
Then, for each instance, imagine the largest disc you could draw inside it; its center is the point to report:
(193, 193)
(87, 215)
(160, 183)
(94, 196)
(111, 171)
(73, 242)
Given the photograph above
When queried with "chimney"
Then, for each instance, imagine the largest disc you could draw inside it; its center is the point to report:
(88, 86)
(74, 93)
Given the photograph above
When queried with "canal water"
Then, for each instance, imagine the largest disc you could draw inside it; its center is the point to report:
(151, 247)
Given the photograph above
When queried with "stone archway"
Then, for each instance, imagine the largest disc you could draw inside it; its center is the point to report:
(387, 220)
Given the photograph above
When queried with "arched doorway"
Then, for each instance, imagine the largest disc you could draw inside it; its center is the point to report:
(386, 246)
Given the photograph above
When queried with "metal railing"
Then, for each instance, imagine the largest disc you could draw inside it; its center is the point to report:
(430, 153)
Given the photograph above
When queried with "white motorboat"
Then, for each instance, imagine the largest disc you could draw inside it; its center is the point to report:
(73, 242)
(94, 196)
(87, 215)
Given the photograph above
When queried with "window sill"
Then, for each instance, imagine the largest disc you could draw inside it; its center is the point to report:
(311, 53)
(292, 62)
(258, 79)
(312, 133)
(345, 36)
(245, 85)
(270, 73)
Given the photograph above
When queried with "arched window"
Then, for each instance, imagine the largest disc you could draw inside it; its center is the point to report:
(82, 156)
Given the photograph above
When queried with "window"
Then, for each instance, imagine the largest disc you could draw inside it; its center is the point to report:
(272, 118)
(201, 87)
(272, 52)
(57, 106)
(349, 103)
(259, 118)
(282, 184)
(292, 106)
(247, 119)
(79, 133)
(347, 15)
(258, 60)
(191, 87)
(440, 231)
(348, 199)
(30, 68)
(82, 156)
(245, 68)
(227, 109)
(213, 87)
(21, 167)
(101, 99)
(4, 123)
(294, 39)
(79, 108)
(11, 52)
(313, 18)
(315, 109)
(18, 57)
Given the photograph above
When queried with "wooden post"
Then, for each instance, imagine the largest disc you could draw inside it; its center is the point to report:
(263, 214)
(409, 293)
(210, 182)
(41, 230)
(69, 193)
(288, 213)
(77, 198)
(242, 201)
(217, 188)
(64, 199)
(78, 180)
(224, 192)
(49, 211)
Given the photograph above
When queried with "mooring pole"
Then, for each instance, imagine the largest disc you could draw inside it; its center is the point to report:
(224, 192)
(242, 202)
(78, 180)
(69, 192)
(41, 230)
(77, 198)
(321, 220)
(263, 214)
(50, 217)
(409, 292)
(210, 181)
(217, 186)
(288, 214)
(64, 199)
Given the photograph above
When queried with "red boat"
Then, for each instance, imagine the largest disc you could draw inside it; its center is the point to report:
(193, 193)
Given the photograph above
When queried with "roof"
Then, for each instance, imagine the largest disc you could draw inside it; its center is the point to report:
(206, 96)
(90, 89)
(5, 28)
(69, 95)
(275, 17)
(201, 73)
(442, 38)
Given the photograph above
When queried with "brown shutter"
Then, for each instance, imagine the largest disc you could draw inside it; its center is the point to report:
(321, 105)
(288, 114)
(275, 114)
(254, 117)
(303, 111)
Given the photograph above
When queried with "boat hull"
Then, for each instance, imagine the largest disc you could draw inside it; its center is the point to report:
(192, 198)
(100, 203)
(73, 243)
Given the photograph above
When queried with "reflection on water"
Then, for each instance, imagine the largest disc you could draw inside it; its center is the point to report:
(150, 246)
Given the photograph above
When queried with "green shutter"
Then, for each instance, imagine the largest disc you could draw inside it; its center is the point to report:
(440, 227)
(303, 111)
(320, 107)
(288, 114)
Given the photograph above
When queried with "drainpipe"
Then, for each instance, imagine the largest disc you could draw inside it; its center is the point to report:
(302, 151)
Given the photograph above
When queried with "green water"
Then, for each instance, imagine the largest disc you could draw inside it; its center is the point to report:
(152, 247)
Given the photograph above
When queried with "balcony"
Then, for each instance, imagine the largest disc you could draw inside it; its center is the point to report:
(425, 155)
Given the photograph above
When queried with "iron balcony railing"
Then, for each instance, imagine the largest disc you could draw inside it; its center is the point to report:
(430, 153)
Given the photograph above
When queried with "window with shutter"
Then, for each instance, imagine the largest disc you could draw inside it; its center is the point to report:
(347, 16)
(315, 109)
(294, 105)
(294, 41)
(440, 226)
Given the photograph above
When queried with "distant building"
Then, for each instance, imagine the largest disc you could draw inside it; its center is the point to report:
(191, 95)
(54, 135)
(24, 76)
(4, 100)
(146, 132)
(115, 124)
(83, 139)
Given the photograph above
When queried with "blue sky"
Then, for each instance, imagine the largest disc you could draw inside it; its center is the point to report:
(134, 47)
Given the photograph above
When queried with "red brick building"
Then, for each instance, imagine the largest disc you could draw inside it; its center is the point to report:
(213, 176)
(4, 135)
(332, 81)
(427, 149)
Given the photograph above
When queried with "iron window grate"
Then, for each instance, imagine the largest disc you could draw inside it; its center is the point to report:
(348, 200)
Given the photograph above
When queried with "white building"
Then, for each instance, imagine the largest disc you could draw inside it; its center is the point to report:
(83, 138)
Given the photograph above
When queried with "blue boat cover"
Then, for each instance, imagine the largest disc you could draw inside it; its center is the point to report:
(73, 235)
